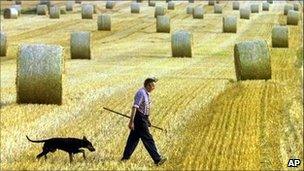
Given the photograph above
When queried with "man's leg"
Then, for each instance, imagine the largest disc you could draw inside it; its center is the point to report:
(149, 144)
(132, 142)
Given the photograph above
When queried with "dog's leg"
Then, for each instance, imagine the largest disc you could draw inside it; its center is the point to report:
(83, 152)
(43, 153)
(71, 157)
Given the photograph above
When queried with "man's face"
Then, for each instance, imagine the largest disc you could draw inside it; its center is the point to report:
(151, 87)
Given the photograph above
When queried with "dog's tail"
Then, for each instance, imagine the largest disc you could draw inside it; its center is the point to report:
(35, 141)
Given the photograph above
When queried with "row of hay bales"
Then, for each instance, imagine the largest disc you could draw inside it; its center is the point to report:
(44, 7)
(293, 14)
(40, 69)
(40, 66)
(163, 23)
(252, 61)
(252, 58)
(15, 11)
(89, 9)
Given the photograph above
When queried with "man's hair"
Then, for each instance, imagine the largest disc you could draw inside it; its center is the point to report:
(150, 80)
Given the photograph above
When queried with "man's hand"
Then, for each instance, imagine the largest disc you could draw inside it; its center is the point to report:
(149, 123)
(131, 125)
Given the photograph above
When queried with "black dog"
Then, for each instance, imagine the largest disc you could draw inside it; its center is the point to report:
(70, 145)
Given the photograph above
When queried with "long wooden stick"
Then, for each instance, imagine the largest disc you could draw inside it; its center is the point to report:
(126, 116)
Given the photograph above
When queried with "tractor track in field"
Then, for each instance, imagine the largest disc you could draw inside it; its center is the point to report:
(265, 163)
(216, 124)
(43, 30)
(130, 30)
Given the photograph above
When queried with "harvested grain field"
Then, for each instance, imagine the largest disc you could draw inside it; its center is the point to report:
(213, 121)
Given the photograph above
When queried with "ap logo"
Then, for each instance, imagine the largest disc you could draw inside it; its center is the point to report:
(294, 162)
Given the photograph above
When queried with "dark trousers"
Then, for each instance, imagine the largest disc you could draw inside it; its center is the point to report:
(141, 131)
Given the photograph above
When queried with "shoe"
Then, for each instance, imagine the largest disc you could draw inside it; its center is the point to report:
(161, 161)
(123, 159)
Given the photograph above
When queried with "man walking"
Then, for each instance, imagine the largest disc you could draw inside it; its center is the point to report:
(140, 122)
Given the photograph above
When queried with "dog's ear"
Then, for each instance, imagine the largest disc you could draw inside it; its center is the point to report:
(85, 138)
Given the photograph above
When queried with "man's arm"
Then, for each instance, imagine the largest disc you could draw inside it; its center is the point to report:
(137, 101)
(131, 123)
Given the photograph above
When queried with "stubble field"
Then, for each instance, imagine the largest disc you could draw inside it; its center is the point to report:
(213, 121)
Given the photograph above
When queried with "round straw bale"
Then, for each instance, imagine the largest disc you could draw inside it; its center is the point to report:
(110, 5)
(229, 24)
(296, 7)
(42, 9)
(70, 5)
(170, 5)
(135, 7)
(10, 13)
(211, 2)
(3, 44)
(151, 3)
(293, 17)
(191, 1)
(189, 9)
(279, 36)
(181, 44)
(18, 2)
(159, 10)
(245, 13)
(87, 11)
(255, 8)
(198, 12)
(217, 9)
(236, 5)
(81, 45)
(54, 12)
(163, 24)
(39, 74)
(47, 3)
(287, 7)
(265, 6)
(44, 2)
(63, 10)
(252, 61)
(18, 8)
(270, 1)
(104, 22)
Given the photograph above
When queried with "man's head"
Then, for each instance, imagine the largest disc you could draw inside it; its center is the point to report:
(149, 84)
